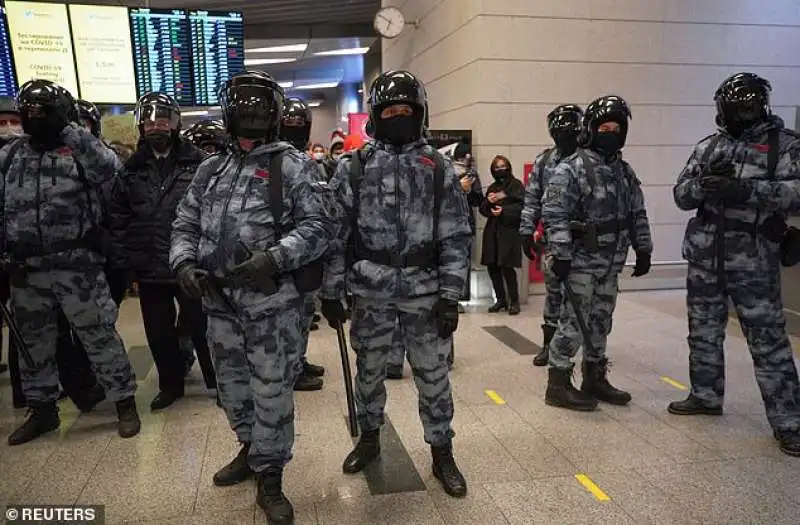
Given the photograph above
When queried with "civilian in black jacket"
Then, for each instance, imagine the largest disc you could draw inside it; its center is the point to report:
(464, 165)
(142, 208)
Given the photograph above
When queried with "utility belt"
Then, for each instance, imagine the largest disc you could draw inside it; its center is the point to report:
(425, 256)
(774, 229)
(588, 233)
(20, 251)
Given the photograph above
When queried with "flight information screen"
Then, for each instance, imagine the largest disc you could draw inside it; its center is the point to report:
(217, 51)
(8, 81)
(161, 53)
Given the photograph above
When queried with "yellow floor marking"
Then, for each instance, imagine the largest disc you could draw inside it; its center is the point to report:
(589, 485)
(672, 382)
(495, 397)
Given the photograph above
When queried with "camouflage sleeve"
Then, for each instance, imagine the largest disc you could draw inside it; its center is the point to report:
(99, 162)
(558, 207)
(454, 238)
(475, 194)
(641, 239)
(186, 228)
(532, 212)
(311, 213)
(333, 286)
(781, 194)
(687, 192)
(3, 157)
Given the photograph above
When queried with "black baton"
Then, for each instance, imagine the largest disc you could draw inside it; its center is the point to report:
(13, 330)
(348, 381)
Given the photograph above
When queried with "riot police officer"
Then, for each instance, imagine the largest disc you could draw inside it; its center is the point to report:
(143, 204)
(266, 219)
(593, 212)
(208, 135)
(564, 125)
(50, 234)
(409, 237)
(742, 181)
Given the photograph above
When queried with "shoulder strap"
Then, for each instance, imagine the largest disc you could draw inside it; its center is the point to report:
(438, 192)
(543, 163)
(588, 165)
(275, 190)
(774, 143)
(712, 145)
(12, 150)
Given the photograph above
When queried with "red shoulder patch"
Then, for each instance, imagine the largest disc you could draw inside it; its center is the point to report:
(761, 148)
(428, 162)
(264, 174)
(64, 151)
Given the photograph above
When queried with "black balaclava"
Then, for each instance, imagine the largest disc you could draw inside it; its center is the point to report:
(399, 130)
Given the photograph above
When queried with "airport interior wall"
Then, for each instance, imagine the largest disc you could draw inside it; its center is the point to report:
(499, 66)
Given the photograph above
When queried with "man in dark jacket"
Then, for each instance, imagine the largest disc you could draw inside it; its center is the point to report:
(143, 204)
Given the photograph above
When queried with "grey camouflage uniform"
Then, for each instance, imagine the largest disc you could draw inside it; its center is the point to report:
(751, 271)
(543, 167)
(395, 214)
(256, 340)
(45, 209)
(609, 200)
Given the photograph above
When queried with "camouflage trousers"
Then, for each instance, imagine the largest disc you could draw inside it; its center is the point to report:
(84, 298)
(374, 322)
(597, 297)
(257, 351)
(309, 307)
(757, 300)
(397, 354)
(553, 297)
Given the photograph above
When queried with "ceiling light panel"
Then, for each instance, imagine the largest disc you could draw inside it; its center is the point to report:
(340, 52)
(291, 48)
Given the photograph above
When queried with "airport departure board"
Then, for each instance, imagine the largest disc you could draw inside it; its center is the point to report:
(8, 80)
(162, 55)
(217, 40)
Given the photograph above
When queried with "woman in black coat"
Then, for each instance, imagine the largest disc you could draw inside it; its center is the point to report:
(502, 252)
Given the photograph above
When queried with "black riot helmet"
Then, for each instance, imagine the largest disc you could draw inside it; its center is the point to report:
(742, 102)
(40, 102)
(296, 123)
(252, 106)
(608, 108)
(208, 135)
(154, 106)
(398, 87)
(564, 125)
(88, 113)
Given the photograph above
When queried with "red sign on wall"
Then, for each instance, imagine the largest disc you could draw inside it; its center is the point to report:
(357, 125)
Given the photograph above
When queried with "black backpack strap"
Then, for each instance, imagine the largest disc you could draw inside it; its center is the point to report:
(774, 143)
(543, 164)
(12, 150)
(588, 165)
(275, 192)
(438, 194)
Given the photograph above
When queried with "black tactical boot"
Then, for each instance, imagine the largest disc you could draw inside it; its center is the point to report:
(394, 372)
(271, 499)
(316, 318)
(43, 418)
(93, 397)
(236, 471)
(499, 306)
(789, 441)
(514, 309)
(692, 406)
(543, 356)
(367, 449)
(561, 392)
(446, 471)
(313, 370)
(129, 424)
(307, 383)
(165, 399)
(595, 384)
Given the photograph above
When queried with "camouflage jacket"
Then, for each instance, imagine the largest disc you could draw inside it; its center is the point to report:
(608, 196)
(395, 213)
(228, 202)
(54, 197)
(745, 245)
(534, 189)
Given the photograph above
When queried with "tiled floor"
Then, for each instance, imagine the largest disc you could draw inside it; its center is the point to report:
(520, 457)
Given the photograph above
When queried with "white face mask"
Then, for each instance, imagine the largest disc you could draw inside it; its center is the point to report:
(337, 156)
(460, 168)
(319, 156)
(10, 131)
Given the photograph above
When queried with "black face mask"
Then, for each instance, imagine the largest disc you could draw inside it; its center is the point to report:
(398, 130)
(296, 136)
(500, 173)
(566, 142)
(159, 141)
(43, 136)
(607, 143)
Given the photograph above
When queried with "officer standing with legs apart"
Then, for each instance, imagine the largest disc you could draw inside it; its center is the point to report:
(251, 267)
(408, 230)
(593, 212)
(743, 180)
(296, 130)
(50, 232)
(564, 125)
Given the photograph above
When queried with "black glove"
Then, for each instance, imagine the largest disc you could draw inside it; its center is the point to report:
(561, 268)
(334, 312)
(191, 280)
(642, 266)
(445, 313)
(259, 265)
(529, 246)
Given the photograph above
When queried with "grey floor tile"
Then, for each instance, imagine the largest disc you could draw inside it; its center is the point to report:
(478, 508)
(305, 514)
(392, 509)
(224, 518)
(557, 500)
